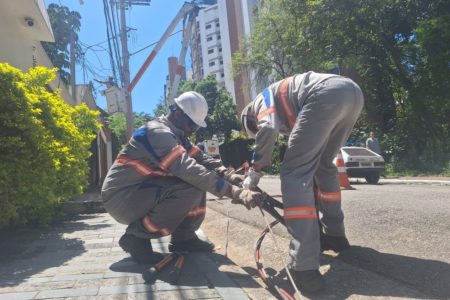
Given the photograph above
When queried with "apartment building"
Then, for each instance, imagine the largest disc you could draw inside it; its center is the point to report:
(217, 34)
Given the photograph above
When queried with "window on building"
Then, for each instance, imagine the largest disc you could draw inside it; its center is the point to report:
(221, 62)
(220, 49)
(222, 75)
(217, 24)
(210, 50)
(219, 37)
(208, 26)
(212, 63)
(209, 38)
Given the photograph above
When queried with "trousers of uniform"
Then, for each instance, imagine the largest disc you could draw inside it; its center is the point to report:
(322, 126)
(159, 207)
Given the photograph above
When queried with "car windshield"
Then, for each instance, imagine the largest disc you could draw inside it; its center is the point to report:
(358, 152)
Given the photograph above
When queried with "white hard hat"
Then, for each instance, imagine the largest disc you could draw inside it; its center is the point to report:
(194, 105)
(248, 120)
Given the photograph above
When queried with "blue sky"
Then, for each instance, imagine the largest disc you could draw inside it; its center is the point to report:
(150, 23)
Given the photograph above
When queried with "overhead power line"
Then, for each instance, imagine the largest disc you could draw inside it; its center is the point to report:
(152, 44)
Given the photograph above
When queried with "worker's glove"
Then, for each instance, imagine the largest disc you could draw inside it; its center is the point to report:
(252, 179)
(248, 198)
(232, 177)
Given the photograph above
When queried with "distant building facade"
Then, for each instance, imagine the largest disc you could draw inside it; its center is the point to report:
(217, 34)
(23, 25)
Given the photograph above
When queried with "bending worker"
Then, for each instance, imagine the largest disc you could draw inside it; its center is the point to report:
(317, 112)
(158, 182)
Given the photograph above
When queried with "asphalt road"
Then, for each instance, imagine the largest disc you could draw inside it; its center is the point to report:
(400, 235)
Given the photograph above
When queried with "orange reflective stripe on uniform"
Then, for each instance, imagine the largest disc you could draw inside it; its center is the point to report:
(138, 166)
(176, 152)
(283, 95)
(266, 112)
(197, 211)
(152, 228)
(194, 151)
(329, 196)
(301, 212)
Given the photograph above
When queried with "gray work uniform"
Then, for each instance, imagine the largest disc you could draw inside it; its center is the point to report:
(374, 145)
(157, 183)
(317, 112)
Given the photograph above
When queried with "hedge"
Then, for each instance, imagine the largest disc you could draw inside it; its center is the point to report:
(44, 147)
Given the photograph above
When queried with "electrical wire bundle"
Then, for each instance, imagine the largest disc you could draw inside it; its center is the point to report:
(269, 204)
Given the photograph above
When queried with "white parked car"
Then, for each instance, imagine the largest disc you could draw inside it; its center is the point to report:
(363, 163)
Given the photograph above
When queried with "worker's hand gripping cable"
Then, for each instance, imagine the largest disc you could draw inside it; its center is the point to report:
(233, 177)
(252, 179)
(248, 198)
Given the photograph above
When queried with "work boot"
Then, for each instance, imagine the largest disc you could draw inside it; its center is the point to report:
(140, 249)
(192, 245)
(309, 281)
(335, 243)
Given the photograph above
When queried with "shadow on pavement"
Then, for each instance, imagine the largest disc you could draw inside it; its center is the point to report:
(200, 270)
(30, 251)
(428, 276)
(372, 273)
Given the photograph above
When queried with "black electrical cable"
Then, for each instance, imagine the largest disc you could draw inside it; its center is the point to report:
(111, 58)
(260, 267)
(116, 29)
(269, 204)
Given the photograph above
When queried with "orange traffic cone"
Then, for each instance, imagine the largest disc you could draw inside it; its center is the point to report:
(343, 178)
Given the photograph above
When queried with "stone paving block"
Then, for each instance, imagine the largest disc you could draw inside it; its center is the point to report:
(49, 294)
(98, 246)
(75, 269)
(125, 289)
(112, 297)
(165, 286)
(98, 250)
(82, 260)
(107, 258)
(223, 284)
(26, 287)
(144, 288)
(101, 282)
(18, 296)
(179, 294)
(38, 279)
(112, 274)
(77, 277)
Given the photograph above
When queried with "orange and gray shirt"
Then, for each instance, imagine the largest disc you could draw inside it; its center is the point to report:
(159, 149)
(276, 109)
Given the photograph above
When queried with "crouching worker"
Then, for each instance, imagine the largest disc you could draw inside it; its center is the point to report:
(158, 183)
(317, 112)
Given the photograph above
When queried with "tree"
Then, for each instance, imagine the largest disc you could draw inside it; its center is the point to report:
(65, 23)
(397, 51)
(222, 115)
(117, 124)
(160, 109)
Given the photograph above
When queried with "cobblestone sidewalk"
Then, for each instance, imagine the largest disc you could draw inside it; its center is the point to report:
(82, 260)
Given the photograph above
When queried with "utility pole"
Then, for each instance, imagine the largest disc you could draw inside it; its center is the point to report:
(126, 70)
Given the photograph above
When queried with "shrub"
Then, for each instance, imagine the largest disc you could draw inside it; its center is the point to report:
(44, 147)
